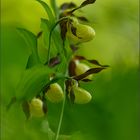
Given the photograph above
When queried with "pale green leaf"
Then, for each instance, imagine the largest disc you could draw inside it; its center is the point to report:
(55, 8)
(48, 10)
(31, 41)
(34, 80)
(46, 27)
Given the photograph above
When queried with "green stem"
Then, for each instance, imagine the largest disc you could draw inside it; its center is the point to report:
(48, 58)
(63, 104)
(61, 116)
(50, 35)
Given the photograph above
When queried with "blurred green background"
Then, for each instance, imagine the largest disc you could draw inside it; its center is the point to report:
(113, 113)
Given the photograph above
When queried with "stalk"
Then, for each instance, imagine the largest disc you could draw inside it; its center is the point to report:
(63, 104)
(64, 88)
(50, 35)
(61, 115)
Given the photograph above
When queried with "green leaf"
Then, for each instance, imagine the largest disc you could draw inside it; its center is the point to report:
(55, 8)
(46, 27)
(31, 61)
(12, 101)
(32, 82)
(26, 110)
(64, 137)
(48, 10)
(31, 41)
(57, 40)
(46, 23)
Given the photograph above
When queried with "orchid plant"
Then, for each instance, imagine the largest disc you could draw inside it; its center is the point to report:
(53, 72)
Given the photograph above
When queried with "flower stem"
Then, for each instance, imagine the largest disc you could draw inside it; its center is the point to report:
(48, 58)
(61, 116)
(50, 35)
(63, 104)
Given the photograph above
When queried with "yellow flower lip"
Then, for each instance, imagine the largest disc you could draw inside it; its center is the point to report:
(36, 107)
(82, 96)
(83, 32)
(82, 68)
(55, 93)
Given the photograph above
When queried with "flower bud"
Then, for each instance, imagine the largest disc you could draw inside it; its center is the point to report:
(82, 68)
(84, 33)
(55, 93)
(81, 96)
(36, 107)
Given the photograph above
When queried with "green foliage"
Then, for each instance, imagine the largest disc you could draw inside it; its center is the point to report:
(113, 112)
(36, 80)
(48, 10)
(31, 41)
(55, 8)
(32, 82)
(56, 39)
